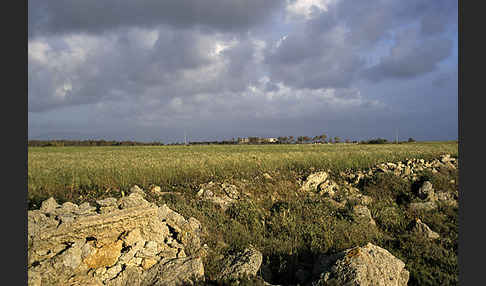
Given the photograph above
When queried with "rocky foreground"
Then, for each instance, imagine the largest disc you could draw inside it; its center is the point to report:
(130, 241)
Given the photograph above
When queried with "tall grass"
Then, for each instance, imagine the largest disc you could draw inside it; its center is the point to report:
(291, 229)
(66, 172)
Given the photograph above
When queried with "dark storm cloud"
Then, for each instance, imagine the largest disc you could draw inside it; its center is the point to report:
(327, 51)
(411, 56)
(136, 63)
(137, 69)
(93, 16)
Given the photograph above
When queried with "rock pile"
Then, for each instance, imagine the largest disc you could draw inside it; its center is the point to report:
(407, 169)
(430, 198)
(223, 194)
(338, 195)
(126, 241)
(367, 265)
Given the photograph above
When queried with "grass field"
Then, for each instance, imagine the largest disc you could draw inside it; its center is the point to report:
(291, 229)
(67, 172)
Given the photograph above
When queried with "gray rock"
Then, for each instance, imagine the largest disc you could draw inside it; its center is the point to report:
(328, 188)
(427, 206)
(156, 190)
(135, 199)
(445, 158)
(231, 191)
(313, 181)
(108, 202)
(426, 192)
(49, 205)
(245, 263)
(447, 199)
(363, 212)
(267, 176)
(224, 195)
(69, 207)
(137, 190)
(424, 230)
(368, 265)
(85, 209)
(178, 271)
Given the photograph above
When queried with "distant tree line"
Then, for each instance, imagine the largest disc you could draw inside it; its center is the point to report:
(319, 139)
(60, 143)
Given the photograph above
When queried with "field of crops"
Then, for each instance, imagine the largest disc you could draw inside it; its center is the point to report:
(65, 171)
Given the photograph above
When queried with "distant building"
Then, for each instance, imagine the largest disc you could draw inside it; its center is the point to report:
(243, 140)
(256, 140)
(270, 140)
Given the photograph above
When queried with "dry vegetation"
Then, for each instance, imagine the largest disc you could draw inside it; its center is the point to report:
(290, 229)
(68, 172)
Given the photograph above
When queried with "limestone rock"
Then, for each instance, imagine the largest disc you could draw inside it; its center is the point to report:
(135, 199)
(445, 158)
(224, 195)
(363, 212)
(116, 246)
(368, 265)
(49, 205)
(427, 206)
(313, 181)
(245, 263)
(156, 190)
(447, 198)
(137, 190)
(105, 256)
(231, 191)
(267, 176)
(426, 192)
(423, 229)
(328, 188)
(178, 271)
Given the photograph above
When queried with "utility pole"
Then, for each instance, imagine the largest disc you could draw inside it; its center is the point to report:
(185, 137)
(396, 135)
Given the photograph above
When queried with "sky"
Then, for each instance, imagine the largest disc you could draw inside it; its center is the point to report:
(220, 69)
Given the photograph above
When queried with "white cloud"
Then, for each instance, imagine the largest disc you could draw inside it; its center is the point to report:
(63, 90)
(304, 8)
(221, 45)
(38, 51)
(279, 42)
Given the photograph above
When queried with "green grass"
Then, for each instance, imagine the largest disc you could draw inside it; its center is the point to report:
(69, 172)
(291, 229)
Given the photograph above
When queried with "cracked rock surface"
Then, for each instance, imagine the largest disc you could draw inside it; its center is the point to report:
(367, 265)
(123, 241)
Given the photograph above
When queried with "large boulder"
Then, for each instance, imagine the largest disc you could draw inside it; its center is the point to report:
(242, 264)
(367, 265)
(120, 240)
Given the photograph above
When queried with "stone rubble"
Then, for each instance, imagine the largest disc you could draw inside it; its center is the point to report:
(130, 241)
(224, 195)
(118, 242)
(338, 195)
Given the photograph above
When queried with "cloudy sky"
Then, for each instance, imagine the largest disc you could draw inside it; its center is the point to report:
(218, 69)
